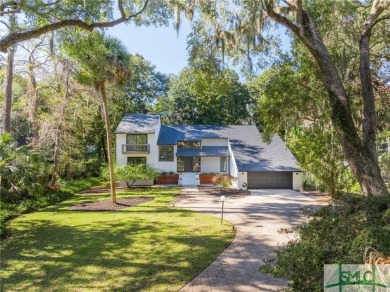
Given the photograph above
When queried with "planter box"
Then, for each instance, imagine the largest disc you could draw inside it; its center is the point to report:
(206, 178)
(168, 179)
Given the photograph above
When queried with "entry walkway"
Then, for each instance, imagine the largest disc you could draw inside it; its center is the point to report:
(257, 217)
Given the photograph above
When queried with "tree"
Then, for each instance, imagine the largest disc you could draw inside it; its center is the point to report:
(102, 59)
(141, 90)
(48, 16)
(293, 105)
(304, 21)
(9, 82)
(204, 93)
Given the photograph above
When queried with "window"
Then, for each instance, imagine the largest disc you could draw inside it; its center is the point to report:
(136, 160)
(136, 139)
(136, 143)
(223, 164)
(166, 153)
(188, 144)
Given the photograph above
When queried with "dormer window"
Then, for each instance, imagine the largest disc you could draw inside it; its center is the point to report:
(189, 144)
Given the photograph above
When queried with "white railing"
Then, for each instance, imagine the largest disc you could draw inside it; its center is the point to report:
(135, 148)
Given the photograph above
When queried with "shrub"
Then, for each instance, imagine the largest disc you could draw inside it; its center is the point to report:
(131, 173)
(22, 171)
(222, 179)
(335, 234)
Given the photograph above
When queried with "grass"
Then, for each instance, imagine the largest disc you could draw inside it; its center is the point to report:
(10, 210)
(149, 247)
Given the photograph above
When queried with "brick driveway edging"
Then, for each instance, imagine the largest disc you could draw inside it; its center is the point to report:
(257, 218)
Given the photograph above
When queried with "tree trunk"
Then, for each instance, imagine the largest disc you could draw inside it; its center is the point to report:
(57, 135)
(103, 145)
(9, 82)
(102, 91)
(33, 99)
(364, 166)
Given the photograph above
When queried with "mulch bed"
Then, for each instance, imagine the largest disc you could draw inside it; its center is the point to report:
(106, 205)
(101, 190)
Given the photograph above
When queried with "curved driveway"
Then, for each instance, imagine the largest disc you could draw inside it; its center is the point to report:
(257, 217)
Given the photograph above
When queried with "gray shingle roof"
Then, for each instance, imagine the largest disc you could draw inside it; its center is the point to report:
(250, 152)
(138, 124)
(205, 151)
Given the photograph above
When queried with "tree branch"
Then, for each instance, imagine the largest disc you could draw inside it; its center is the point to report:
(14, 38)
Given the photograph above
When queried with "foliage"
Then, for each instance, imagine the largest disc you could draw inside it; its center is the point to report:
(132, 173)
(222, 179)
(9, 210)
(205, 93)
(99, 56)
(141, 90)
(318, 152)
(151, 247)
(22, 171)
(384, 163)
(46, 17)
(292, 104)
(335, 234)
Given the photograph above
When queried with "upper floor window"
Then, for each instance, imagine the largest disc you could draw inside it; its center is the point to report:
(166, 153)
(188, 144)
(136, 139)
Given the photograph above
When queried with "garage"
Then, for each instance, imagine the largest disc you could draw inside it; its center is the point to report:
(270, 180)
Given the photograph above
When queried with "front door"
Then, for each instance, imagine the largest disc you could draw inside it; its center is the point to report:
(187, 164)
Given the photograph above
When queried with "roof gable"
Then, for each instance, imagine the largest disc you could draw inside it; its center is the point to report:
(138, 124)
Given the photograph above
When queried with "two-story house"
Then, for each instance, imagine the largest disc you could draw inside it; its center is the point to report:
(189, 150)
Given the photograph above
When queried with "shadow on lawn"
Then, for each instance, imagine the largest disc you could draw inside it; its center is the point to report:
(121, 254)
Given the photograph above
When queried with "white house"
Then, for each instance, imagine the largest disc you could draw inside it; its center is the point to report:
(191, 150)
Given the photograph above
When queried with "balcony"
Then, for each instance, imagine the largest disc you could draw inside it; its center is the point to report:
(135, 148)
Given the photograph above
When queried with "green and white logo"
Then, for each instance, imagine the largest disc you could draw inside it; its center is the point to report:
(351, 278)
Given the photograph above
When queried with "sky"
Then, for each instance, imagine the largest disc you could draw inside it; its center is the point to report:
(162, 46)
(159, 45)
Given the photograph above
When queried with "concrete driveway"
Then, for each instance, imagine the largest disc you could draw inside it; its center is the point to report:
(257, 217)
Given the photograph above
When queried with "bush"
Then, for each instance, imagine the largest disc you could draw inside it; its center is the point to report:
(222, 179)
(335, 234)
(22, 171)
(131, 173)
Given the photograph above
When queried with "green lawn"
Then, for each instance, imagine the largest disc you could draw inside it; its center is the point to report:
(153, 246)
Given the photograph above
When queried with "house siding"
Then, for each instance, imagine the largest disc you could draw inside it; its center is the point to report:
(297, 180)
(242, 179)
(121, 159)
(166, 166)
(210, 164)
(215, 142)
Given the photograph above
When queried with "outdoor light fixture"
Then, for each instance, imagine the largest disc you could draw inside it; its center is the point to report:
(223, 201)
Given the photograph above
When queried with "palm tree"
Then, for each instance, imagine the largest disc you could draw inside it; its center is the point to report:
(102, 60)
